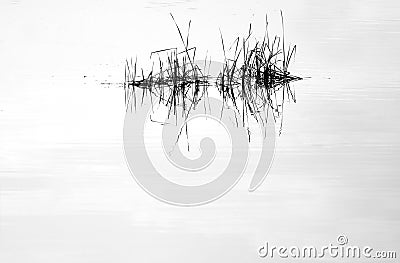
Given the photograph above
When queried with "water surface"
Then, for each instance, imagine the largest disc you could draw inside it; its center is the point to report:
(66, 194)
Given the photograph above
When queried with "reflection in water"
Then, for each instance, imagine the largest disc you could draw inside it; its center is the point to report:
(65, 191)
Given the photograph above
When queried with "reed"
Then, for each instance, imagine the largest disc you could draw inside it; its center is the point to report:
(254, 79)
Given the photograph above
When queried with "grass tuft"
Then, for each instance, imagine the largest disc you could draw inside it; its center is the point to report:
(254, 79)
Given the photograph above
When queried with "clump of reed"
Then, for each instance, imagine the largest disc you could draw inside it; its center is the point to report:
(254, 78)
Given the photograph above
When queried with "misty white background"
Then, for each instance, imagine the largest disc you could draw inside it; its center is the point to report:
(66, 194)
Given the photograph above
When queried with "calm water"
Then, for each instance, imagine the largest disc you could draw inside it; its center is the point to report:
(66, 194)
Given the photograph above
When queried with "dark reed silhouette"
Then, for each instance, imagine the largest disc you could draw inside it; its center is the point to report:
(253, 81)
